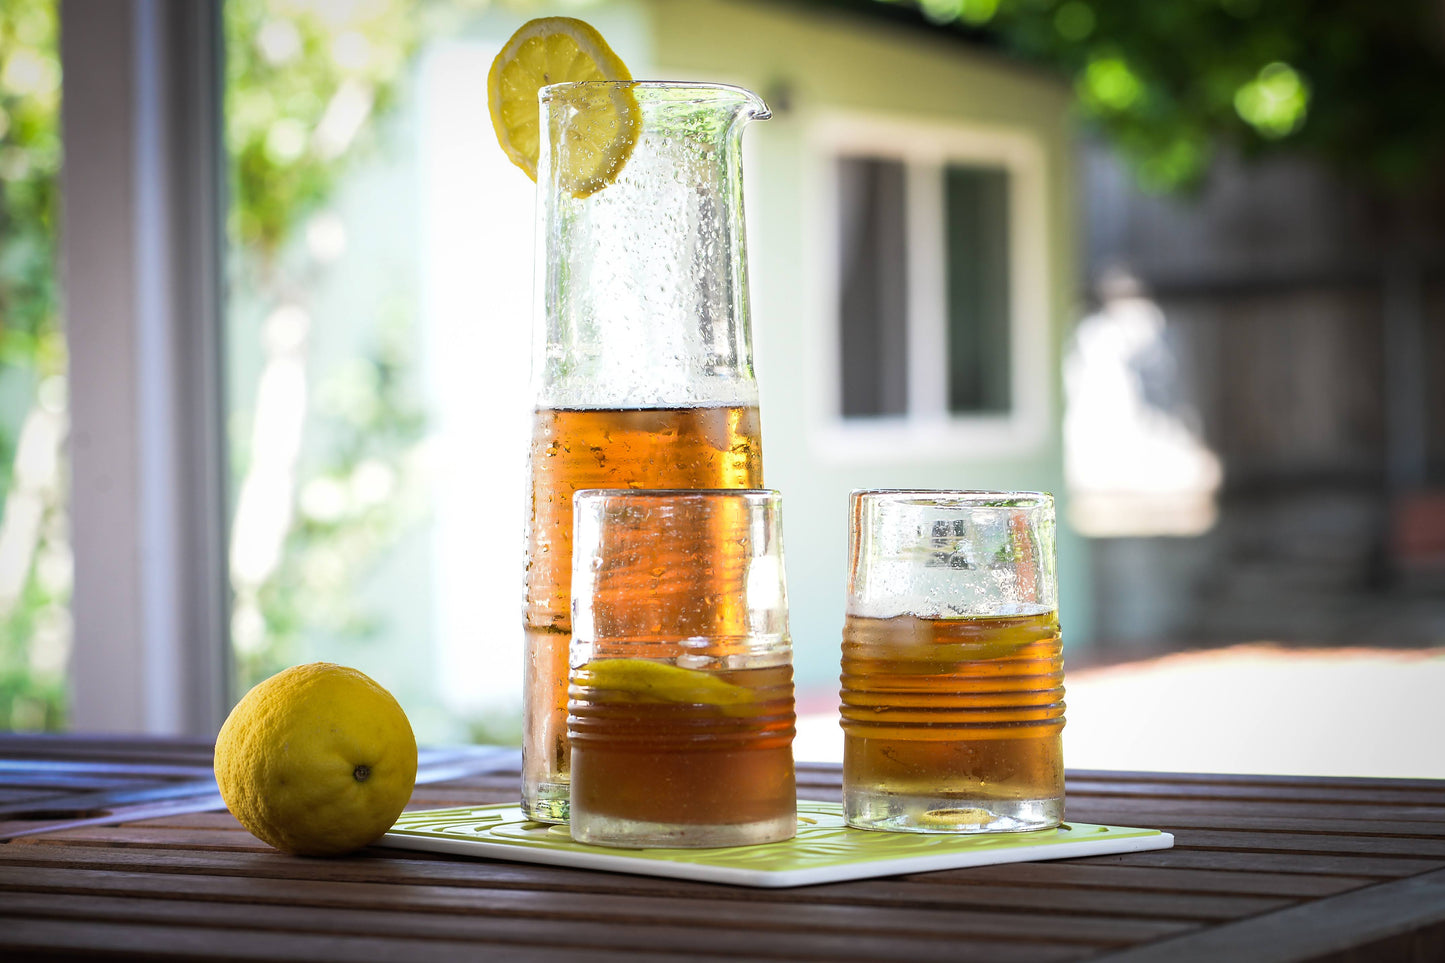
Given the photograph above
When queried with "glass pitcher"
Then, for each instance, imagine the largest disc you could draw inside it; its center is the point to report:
(642, 364)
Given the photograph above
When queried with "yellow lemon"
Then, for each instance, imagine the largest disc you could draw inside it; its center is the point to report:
(318, 760)
(646, 681)
(601, 131)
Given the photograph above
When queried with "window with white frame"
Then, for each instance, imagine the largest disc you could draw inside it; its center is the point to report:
(934, 289)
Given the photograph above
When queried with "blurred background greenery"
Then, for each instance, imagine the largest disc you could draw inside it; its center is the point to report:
(34, 541)
(310, 87)
(1171, 83)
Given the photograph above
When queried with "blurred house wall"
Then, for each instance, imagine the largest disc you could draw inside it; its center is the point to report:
(812, 64)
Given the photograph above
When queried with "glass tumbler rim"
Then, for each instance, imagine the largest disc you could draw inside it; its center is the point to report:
(971, 498)
(701, 494)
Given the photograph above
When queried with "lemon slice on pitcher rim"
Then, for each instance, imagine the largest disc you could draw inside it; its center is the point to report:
(601, 131)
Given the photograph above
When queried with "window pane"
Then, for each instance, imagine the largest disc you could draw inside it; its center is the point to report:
(976, 201)
(873, 296)
(35, 559)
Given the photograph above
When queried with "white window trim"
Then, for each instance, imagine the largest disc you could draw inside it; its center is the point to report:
(929, 432)
(140, 248)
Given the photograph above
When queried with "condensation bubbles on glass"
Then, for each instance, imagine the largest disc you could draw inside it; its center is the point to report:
(935, 556)
(643, 287)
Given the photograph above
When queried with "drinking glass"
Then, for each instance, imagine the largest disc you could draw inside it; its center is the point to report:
(680, 708)
(953, 699)
(642, 364)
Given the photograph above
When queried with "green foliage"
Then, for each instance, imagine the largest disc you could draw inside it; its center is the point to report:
(32, 349)
(302, 78)
(305, 83)
(352, 506)
(1355, 83)
(31, 697)
(31, 345)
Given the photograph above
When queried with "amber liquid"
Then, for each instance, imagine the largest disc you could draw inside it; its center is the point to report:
(573, 449)
(958, 718)
(669, 764)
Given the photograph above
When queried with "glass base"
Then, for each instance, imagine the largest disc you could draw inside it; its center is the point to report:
(907, 813)
(546, 802)
(600, 830)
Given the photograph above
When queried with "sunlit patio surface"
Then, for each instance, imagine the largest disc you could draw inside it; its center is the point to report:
(1257, 708)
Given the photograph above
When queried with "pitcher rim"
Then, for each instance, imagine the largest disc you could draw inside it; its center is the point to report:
(760, 110)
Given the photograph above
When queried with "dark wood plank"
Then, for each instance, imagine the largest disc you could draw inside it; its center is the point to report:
(563, 932)
(1381, 867)
(159, 839)
(47, 938)
(384, 866)
(1163, 818)
(1240, 779)
(212, 819)
(1272, 842)
(1075, 872)
(1373, 923)
(10, 795)
(118, 797)
(67, 779)
(1378, 792)
(905, 894)
(143, 800)
(400, 866)
(1123, 809)
(90, 773)
(52, 863)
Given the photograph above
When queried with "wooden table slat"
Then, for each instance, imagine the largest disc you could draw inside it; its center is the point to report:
(1368, 924)
(94, 940)
(1084, 776)
(1265, 868)
(902, 894)
(388, 867)
(1118, 808)
(1087, 873)
(1380, 794)
(1251, 822)
(1379, 867)
(1376, 846)
(561, 932)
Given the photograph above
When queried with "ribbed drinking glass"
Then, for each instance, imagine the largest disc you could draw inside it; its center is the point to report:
(681, 703)
(953, 699)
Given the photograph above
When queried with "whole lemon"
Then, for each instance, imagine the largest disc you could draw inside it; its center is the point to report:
(317, 760)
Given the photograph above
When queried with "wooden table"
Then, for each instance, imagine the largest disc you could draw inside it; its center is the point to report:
(107, 851)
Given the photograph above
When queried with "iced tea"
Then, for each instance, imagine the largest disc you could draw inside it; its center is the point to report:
(953, 724)
(573, 449)
(660, 756)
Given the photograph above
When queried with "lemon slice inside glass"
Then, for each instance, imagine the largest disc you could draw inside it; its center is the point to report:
(646, 681)
(603, 128)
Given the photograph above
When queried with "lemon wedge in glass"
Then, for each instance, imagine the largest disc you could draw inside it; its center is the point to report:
(646, 681)
(600, 133)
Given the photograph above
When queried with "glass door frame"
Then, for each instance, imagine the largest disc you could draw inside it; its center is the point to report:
(141, 242)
